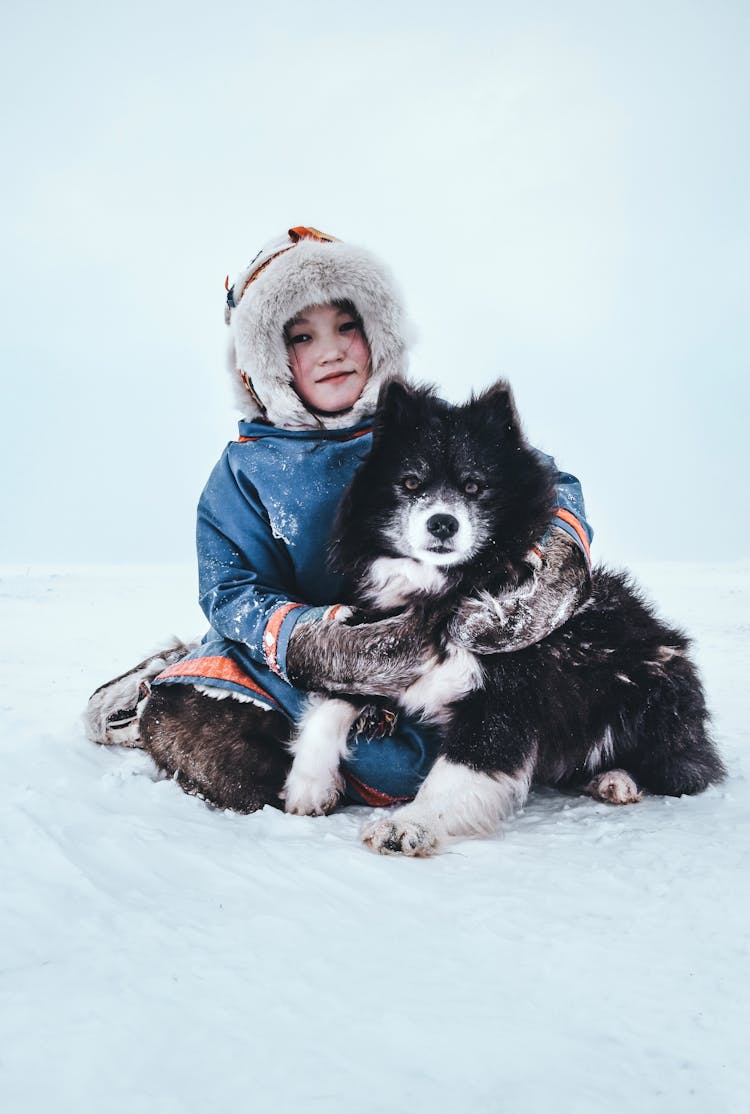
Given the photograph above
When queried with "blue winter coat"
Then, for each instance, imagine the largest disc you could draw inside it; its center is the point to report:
(264, 524)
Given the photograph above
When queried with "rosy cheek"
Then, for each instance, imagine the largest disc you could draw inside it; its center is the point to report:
(294, 367)
(295, 363)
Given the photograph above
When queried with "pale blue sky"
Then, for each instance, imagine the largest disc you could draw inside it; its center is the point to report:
(562, 190)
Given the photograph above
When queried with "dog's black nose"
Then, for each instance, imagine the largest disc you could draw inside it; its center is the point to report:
(442, 526)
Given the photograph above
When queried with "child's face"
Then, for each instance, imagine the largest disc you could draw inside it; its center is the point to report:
(329, 357)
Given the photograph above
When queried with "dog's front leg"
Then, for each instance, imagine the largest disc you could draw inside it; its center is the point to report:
(315, 783)
(453, 802)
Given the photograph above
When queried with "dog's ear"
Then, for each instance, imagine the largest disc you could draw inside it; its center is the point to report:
(398, 405)
(498, 409)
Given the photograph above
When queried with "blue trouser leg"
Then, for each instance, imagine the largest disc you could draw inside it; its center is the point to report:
(384, 771)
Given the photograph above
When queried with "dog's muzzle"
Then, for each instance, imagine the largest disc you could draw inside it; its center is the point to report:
(442, 526)
(439, 532)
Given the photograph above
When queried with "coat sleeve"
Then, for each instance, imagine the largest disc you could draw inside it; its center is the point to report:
(247, 587)
(560, 582)
(570, 513)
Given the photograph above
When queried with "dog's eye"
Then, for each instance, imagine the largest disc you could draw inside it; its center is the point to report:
(471, 487)
(411, 483)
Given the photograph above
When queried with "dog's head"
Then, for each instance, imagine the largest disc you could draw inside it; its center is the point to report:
(444, 485)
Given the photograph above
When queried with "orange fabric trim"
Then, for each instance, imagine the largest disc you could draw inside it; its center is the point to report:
(271, 634)
(333, 611)
(373, 796)
(220, 668)
(261, 269)
(362, 433)
(571, 519)
(304, 232)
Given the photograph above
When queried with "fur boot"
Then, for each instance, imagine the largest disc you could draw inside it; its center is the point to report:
(113, 712)
(231, 753)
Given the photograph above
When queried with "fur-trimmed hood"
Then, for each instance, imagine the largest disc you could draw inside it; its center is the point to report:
(289, 275)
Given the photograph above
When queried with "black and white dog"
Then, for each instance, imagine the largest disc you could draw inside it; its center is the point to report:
(449, 503)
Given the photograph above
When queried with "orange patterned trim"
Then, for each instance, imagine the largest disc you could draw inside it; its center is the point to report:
(219, 668)
(352, 437)
(304, 232)
(271, 634)
(261, 269)
(373, 796)
(571, 520)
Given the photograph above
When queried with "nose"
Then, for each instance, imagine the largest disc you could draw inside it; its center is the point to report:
(331, 357)
(333, 351)
(442, 526)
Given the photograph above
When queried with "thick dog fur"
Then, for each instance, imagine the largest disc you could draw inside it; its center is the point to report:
(448, 505)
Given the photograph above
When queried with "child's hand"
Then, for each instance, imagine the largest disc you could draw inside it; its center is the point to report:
(379, 658)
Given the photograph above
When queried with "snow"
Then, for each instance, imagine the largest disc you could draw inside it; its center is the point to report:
(162, 956)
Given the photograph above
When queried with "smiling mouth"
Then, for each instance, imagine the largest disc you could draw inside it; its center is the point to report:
(335, 375)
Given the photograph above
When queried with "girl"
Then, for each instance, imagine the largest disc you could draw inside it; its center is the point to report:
(317, 327)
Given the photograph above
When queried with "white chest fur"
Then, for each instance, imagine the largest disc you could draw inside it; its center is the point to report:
(442, 683)
(394, 581)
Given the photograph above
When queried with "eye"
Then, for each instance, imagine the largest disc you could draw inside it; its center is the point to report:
(471, 487)
(298, 338)
(411, 483)
(349, 327)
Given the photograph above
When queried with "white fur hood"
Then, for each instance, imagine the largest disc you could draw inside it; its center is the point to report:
(291, 276)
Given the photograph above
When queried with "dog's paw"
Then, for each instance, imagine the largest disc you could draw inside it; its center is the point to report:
(616, 787)
(394, 836)
(312, 794)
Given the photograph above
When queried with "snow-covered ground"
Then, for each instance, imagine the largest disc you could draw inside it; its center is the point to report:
(158, 955)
